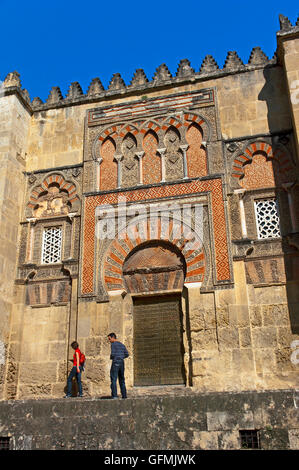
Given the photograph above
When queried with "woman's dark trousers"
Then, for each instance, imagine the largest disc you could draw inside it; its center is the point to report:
(76, 374)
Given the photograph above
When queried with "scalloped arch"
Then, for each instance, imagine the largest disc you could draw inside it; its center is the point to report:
(53, 178)
(152, 125)
(119, 130)
(190, 118)
(278, 154)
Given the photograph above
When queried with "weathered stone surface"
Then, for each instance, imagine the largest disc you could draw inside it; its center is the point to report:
(178, 421)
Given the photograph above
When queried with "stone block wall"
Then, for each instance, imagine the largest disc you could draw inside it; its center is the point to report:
(38, 352)
(14, 122)
(175, 422)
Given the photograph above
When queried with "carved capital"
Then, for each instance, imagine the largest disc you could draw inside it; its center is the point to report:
(288, 186)
(162, 151)
(240, 192)
(118, 158)
(184, 147)
(140, 155)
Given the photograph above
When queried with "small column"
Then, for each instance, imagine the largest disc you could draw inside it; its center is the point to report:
(99, 161)
(118, 159)
(140, 155)
(29, 253)
(184, 148)
(71, 216)
(163, 168)
(288, 188)
(241, 193)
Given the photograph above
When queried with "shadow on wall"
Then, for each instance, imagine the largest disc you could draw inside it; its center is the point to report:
(275, 94)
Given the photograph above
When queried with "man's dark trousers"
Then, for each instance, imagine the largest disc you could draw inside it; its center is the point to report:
(117, 371)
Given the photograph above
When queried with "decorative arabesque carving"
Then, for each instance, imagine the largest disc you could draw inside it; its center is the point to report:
(49, 253)
(174, 157)
(52, 202)
(130, 162)
(154, 266)
(53, 197)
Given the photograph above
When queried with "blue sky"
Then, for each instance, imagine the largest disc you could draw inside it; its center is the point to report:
(55, 43)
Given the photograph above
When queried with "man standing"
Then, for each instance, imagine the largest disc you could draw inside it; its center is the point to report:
(118, 354)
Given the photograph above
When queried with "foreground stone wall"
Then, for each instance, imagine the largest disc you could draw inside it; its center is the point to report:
(177, 422)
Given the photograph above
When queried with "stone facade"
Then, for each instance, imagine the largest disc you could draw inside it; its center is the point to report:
(220, 145)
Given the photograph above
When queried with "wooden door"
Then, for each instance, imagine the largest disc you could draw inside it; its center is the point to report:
(158, 345)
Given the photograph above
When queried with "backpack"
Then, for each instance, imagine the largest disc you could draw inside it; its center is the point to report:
(82, 360)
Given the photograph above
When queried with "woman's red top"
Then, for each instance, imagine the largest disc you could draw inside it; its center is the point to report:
(75, 357)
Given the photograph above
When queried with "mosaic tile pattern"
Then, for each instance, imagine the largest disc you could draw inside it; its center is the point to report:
(213, 186)
(196, 155)
(108, 169)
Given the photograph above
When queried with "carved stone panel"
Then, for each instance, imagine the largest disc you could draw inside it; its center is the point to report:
(174, 156)
(154, 267)
(129, 162)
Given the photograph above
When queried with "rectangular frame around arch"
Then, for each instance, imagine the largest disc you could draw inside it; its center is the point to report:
(213, 187)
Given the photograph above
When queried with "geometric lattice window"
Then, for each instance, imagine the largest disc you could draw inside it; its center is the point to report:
(250, 439)
(4, 443)
(267, 218)
(51, 248)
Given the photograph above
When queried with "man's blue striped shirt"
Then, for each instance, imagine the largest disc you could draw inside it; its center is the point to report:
(118, 351)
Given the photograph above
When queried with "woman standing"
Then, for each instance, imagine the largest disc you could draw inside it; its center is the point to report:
(75, 372)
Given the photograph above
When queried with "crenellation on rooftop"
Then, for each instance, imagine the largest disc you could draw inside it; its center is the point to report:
(139, 82)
